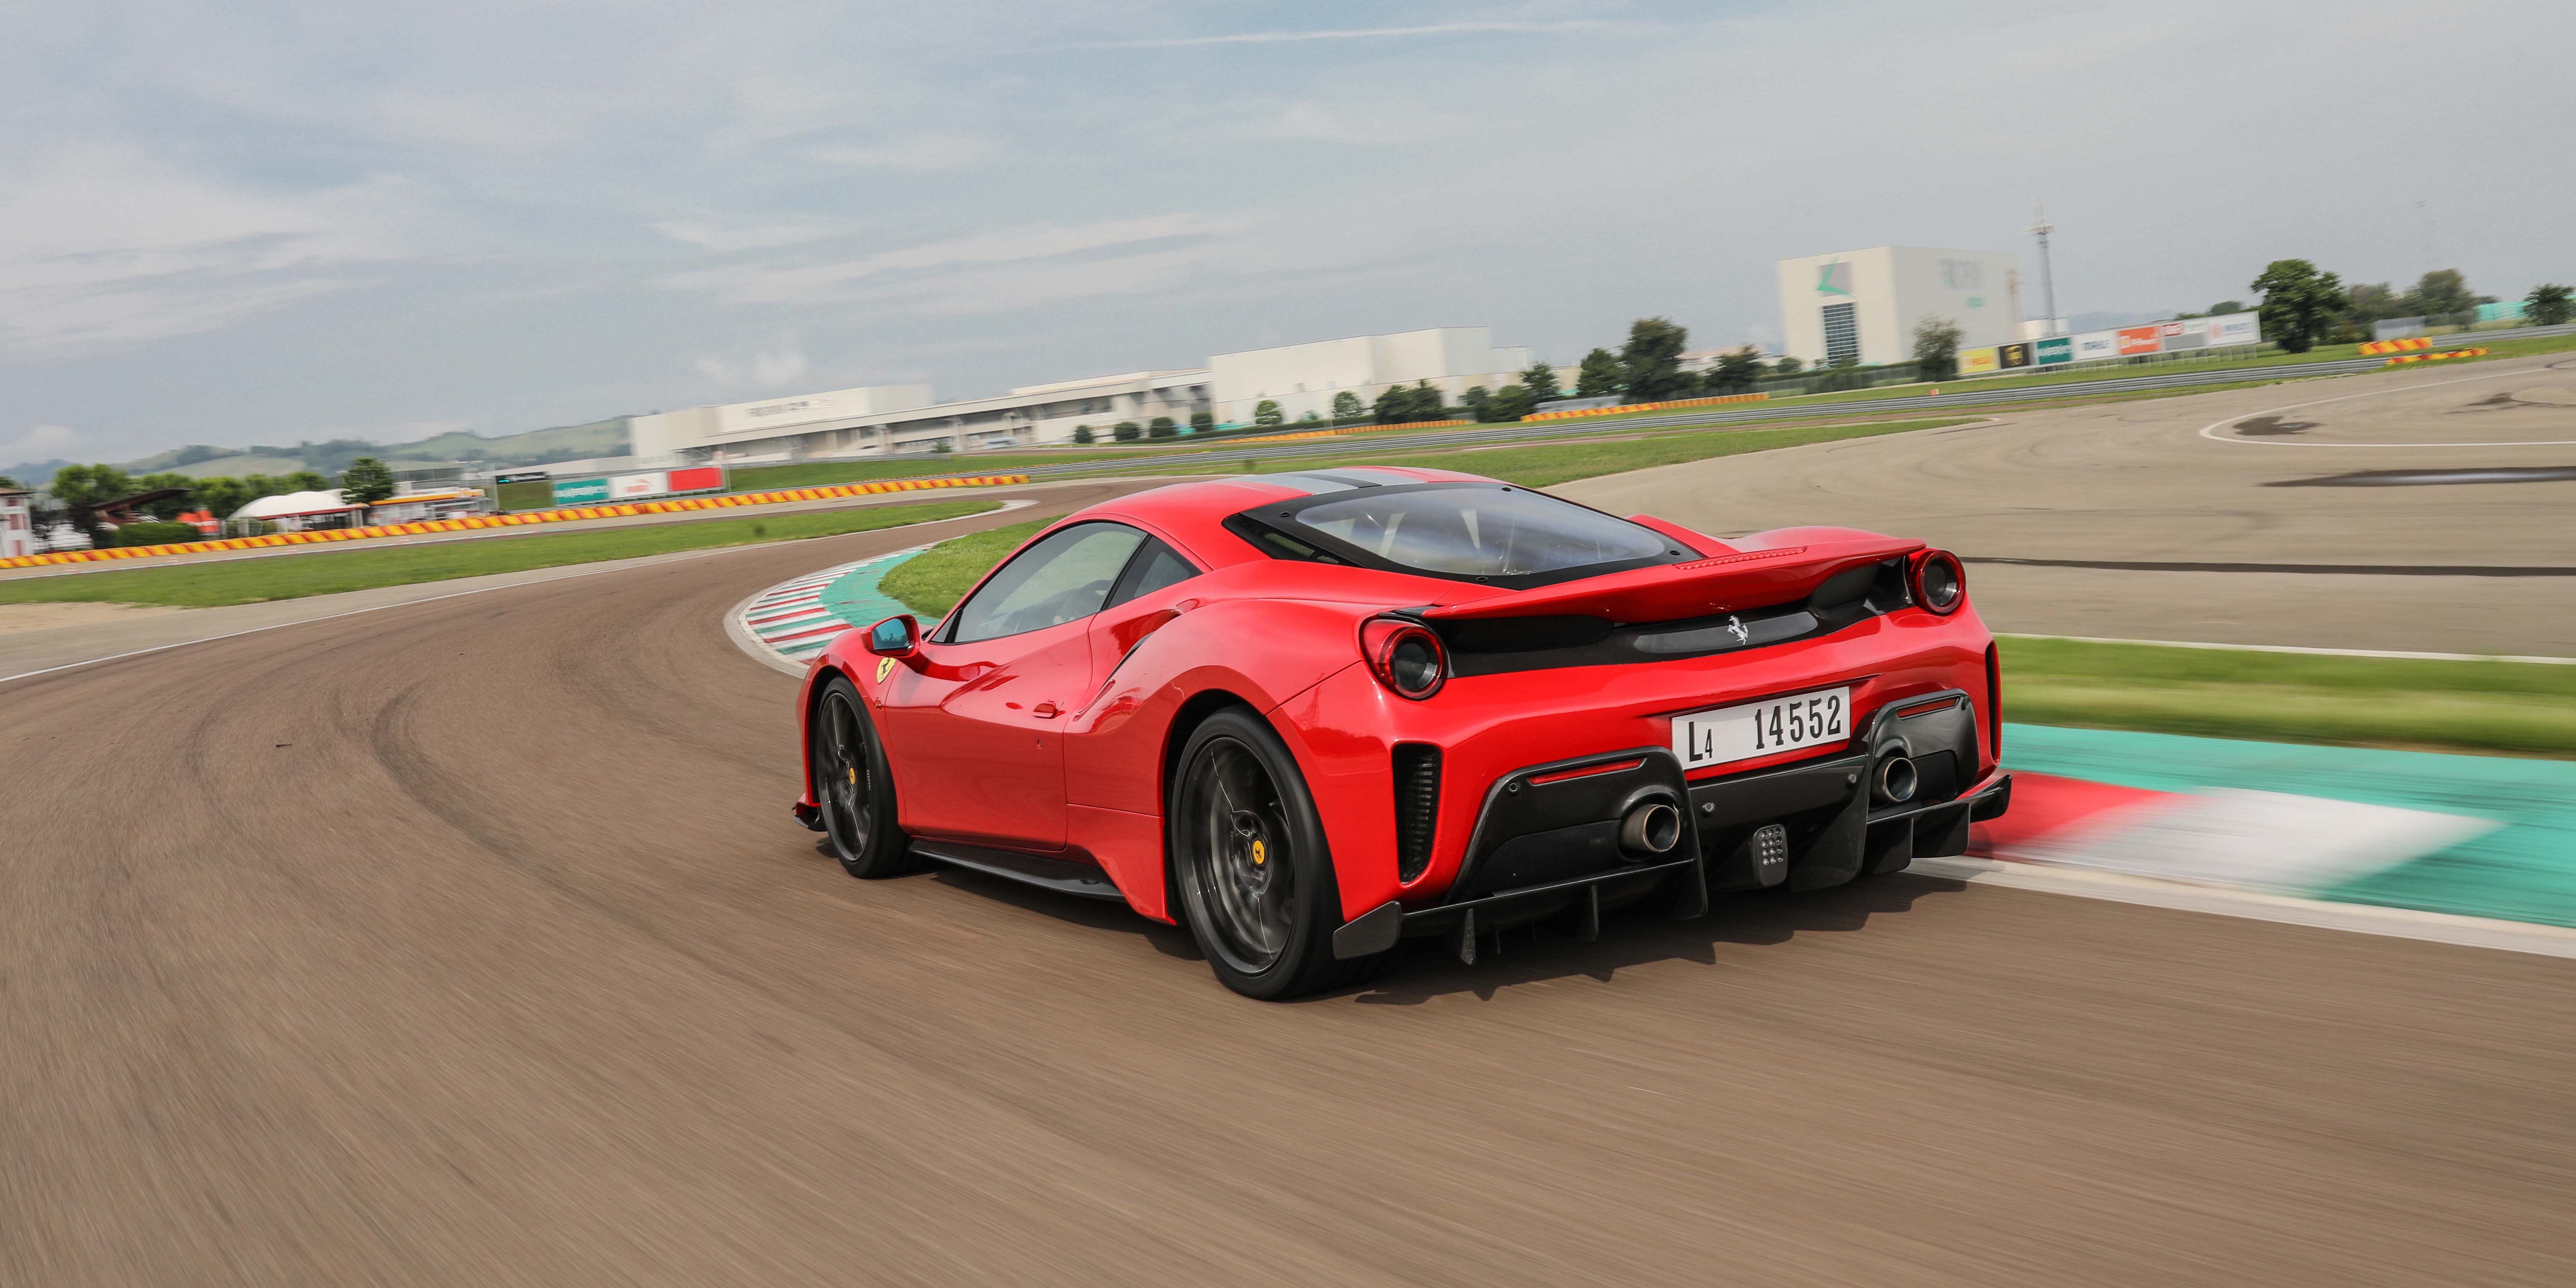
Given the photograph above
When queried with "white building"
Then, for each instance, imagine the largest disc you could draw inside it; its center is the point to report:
(1303, 378)
(1863, 305)
(17, 524)
(903, 418)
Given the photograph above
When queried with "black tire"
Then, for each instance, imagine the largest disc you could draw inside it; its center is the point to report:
(854, 786)
(1254, 876)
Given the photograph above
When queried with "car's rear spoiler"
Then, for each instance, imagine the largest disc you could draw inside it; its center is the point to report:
(1726, 583)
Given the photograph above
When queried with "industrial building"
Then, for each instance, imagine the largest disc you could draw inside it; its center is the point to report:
(1863, 305)
(888, 419)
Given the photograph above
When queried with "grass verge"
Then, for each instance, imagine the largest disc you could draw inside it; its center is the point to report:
(1548, 464)
(256, 580)
(931, 583)
(2510, 708)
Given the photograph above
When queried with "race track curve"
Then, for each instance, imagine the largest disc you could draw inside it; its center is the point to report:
(470, 942)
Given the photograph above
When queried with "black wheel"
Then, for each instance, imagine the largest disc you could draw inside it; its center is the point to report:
(1248, 853)
(853, 786)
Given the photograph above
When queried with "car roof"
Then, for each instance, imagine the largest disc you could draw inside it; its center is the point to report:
(1195, 512)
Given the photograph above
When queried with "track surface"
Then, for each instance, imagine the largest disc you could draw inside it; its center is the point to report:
(2124, 520)
(470, 942)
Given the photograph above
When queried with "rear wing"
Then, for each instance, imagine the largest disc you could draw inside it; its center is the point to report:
(1723, 583)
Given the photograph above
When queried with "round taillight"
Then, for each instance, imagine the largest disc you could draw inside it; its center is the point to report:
(1405, 656)
(1940, 584)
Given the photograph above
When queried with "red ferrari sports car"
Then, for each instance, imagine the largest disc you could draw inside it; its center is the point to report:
(1311, 714)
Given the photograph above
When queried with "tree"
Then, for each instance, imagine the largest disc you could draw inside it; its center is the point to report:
(367, 481)
(1540, 381)
(89, 484)
(1347, 406)
(1392, 405)
(941, 448)
(1788, 366)
(1126, 431)
(1476, 399)
(1427, 403)
(1599, 376)
(12, 484)
(2300, 303)
(2442, 291)
(2225, 307)
(1267, 413)
(1936, 348)
(221, 496)
(308, 481)
(1162, 427)
(1735, 372)
(1511, 402)
(1311, 417)
(1202, 422)
(1651, 362)
(2547, 305)
(1083, 434)
(2372, 301)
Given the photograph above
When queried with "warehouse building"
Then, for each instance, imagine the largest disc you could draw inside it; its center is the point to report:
(891, 419)
(1863, 305)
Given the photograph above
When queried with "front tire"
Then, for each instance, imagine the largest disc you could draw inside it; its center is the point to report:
(1248, 854)
(854, 786)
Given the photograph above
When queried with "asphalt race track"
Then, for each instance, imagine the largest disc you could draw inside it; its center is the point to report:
(2424, 510)
(469, 941)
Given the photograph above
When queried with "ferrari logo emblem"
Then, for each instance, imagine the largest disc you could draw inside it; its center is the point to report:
(1260, 855)
(885, 667)
(1734, 626)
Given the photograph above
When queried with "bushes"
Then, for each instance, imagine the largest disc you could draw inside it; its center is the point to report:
(151, 534)
(1202, 422)
(1161, 427)
(1126, 431)
(1083, 434)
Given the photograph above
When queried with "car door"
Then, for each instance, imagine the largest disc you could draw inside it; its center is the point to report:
(975, 729)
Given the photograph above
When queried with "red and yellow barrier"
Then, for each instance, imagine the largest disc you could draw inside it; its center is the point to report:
(2378, 347)
(1652, 406)
(1341, 430)
(676, 505)
(2437, 357)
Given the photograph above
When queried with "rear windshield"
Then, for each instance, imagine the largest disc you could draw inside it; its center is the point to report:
(1472, 530)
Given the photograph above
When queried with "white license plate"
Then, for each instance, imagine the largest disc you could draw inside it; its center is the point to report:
(1724, 735)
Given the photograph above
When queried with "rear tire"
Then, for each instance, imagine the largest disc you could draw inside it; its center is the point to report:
(1254, 875)
(854, 787)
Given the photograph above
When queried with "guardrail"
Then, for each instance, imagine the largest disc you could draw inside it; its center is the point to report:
(481, 521)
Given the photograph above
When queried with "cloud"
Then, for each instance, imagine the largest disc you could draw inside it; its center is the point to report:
(43, 442)
(777, 283)
(1358, 33)
(754, 236)
(766, 368)
(919, 152)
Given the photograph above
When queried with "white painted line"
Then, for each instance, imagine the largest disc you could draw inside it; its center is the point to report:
(2318, 652)
(2210, 430)
(2359, 918)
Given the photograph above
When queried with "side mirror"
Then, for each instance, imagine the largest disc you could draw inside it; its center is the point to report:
(895, 637)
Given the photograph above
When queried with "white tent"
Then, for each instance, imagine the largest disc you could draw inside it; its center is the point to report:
(293, 504)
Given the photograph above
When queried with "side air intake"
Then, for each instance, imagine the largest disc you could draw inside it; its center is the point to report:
(1417, 806)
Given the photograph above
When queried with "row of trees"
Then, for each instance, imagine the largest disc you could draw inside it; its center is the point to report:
(367, 481)
(2305, 306)
(1128, 431)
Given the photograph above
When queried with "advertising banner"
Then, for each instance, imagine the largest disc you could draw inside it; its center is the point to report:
(742, 418)
(519, 476)
(2189, 333)
(2137, 339)
(2097, 344)
(580, 491)
(2236, 328)
(704, 478)
(2009, 356)
(1975, 361)
(639, 486)
(2053, 350)
(635, 487)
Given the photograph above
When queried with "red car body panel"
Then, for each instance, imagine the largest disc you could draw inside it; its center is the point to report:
(1058, 741)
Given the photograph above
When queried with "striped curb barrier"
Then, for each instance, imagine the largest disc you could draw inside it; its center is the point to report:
(2437, 357)
(565, 515)
(2479, 836)
(2378, 347)
(1631, 408)
(795, 619)
(1340, 431)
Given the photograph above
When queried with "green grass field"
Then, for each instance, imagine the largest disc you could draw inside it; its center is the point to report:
(2514, 708)
(250, 581)
(931, 583)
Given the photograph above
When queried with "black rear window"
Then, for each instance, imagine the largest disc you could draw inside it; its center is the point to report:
(1469, 531)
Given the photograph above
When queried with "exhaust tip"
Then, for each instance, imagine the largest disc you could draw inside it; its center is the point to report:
(1651, 828)
(1896, 779)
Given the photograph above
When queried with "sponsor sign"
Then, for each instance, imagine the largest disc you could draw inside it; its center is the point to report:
(633, 487)
(2189, 333)
(580, 491)
(2053, 350)
(2236, 328)
(522, 476)
(2097, 344)
(2009, 356)
(1973, 361)
(704, 478)
(743, 418)
(639, 486)
(2137, 339)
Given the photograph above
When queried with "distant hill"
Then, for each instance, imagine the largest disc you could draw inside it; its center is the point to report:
(536, 447)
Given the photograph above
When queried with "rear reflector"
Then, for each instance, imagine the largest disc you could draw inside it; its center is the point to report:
(1606, 767)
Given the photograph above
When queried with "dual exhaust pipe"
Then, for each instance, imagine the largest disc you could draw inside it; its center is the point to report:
(1655, 827)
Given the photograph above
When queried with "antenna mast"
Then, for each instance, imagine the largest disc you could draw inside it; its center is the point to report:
(2041, 228)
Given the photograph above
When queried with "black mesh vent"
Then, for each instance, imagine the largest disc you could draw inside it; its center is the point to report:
(1417, 806)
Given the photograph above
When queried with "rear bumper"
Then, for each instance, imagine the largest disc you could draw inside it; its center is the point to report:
(1545, 843)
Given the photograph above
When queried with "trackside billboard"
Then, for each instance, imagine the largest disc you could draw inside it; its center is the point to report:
(638, 487)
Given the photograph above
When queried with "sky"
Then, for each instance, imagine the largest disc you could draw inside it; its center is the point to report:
(270, 222)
